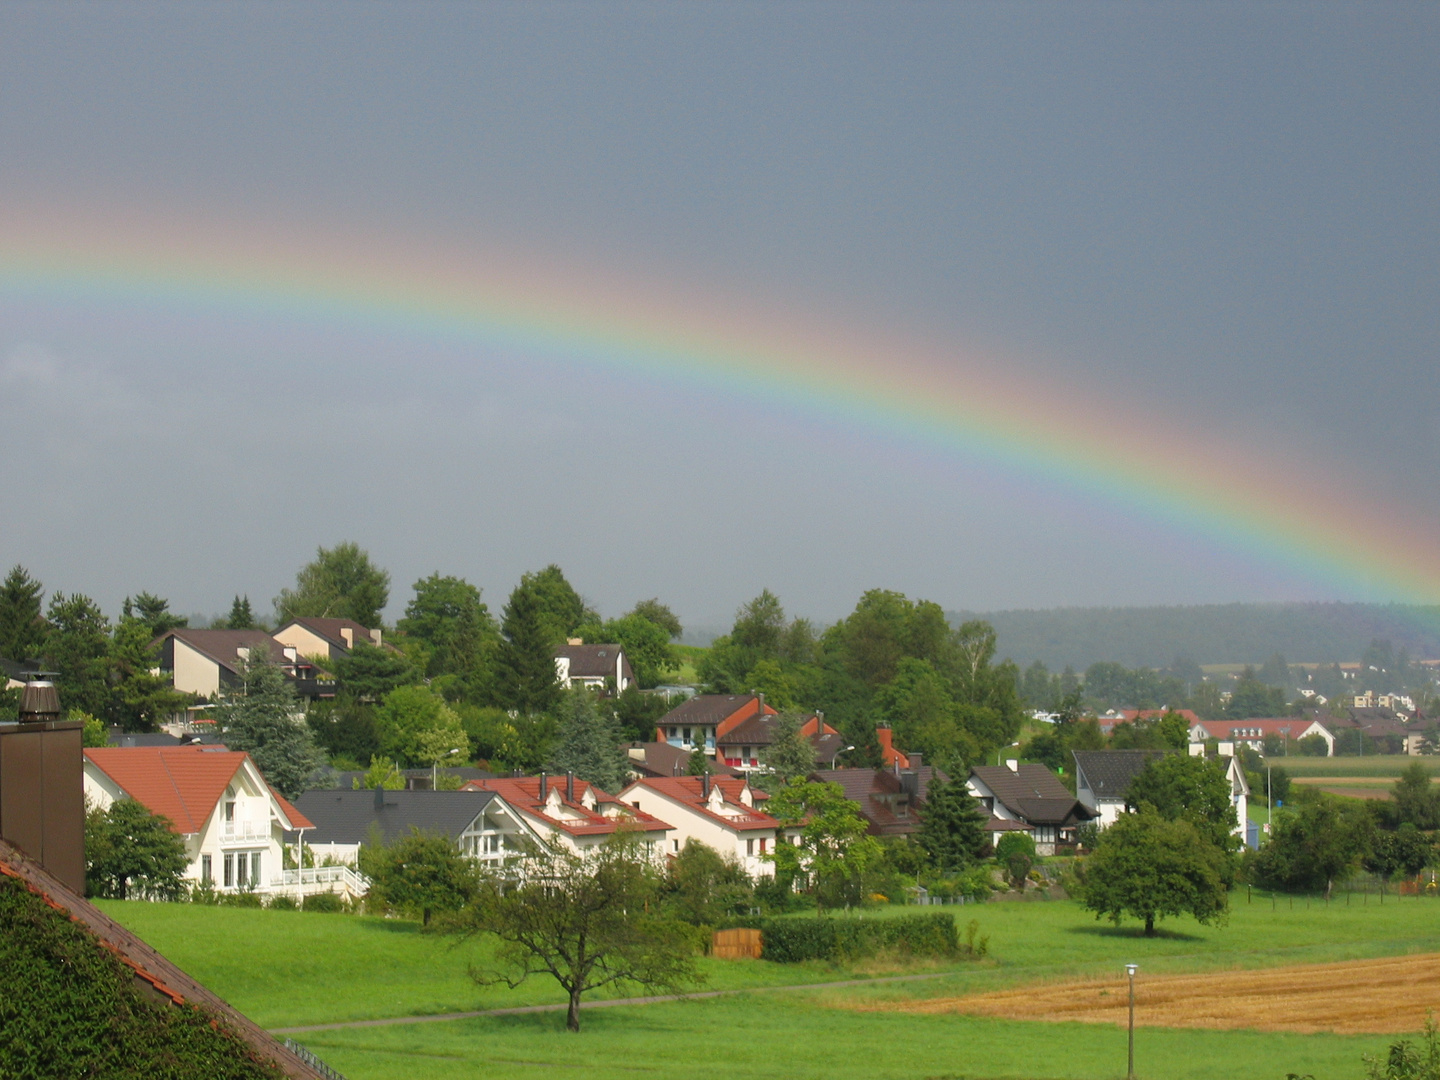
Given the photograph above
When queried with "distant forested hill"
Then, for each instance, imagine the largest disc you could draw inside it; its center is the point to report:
(1210, 634)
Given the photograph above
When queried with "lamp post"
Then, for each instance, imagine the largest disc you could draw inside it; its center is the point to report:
(435, 768)
(837, 754)
(1002, 750)
(1130, 970)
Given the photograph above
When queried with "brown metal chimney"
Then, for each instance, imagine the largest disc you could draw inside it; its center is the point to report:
(42, 789)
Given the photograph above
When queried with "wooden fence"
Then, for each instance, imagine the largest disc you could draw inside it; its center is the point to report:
(741, 944)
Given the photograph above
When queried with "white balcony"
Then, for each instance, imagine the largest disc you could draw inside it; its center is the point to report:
(244, 832)
(321, 879)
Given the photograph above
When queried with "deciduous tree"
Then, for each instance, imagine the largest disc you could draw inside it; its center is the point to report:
(790, 755)
(1196, 789)
(1310, 847)
(834, 851)
(1148, 867)
(128, 847)
(421, 873)
(339, 583)
(586, 921)
(415, 725)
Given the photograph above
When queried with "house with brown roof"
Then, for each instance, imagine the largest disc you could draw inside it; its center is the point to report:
(576, 813)
(700, 720)
(662, 759)
(232, 822)
(892, 801)
(742, 746)
(596, 667)
(205, 662)
(720, 812)
(1029, 798)
(328, 639)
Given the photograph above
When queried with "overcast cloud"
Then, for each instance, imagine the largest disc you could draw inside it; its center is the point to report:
(1221, 214)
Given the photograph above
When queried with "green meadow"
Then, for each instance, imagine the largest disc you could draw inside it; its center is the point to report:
(291, 968)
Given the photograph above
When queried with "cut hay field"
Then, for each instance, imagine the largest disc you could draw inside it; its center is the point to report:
(293, 968)
(1371, 766)
(1389, 996)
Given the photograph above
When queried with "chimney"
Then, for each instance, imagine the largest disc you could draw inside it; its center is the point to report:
(887, 748)
(42, 793)
(379, 797)
(910, 784)
(569, 786)
(705, 785)
(376, 635)
(348, 636)
(915, 761)
(1012, 764)
(544, 786)
(761, 699)
(820, 720)
(574, 641)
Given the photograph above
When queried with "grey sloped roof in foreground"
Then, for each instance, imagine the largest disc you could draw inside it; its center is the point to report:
(1109, 772)
(345, 817)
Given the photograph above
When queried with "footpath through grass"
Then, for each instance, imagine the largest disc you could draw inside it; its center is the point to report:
(290, 968)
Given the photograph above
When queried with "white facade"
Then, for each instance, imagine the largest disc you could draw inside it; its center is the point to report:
(240, 846)
(732, 828)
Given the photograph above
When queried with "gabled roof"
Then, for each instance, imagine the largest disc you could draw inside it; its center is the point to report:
(875, 791)
(149, 967)
(329, 629)
(346, 817)
(690, 792)
(1108, 772)
(182, 783)
(594, 661)
(522, 793)
(1291, 726)
(1032, 792)
(662, 759)
(712, 710)
(222, 646)
(759, 730)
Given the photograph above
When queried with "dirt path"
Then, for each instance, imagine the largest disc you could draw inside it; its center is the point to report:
(1384, 997)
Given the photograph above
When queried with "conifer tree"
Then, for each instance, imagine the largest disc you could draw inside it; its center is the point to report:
(525, 666)
(952, 828)
(263, 717)
(588, 744)
(22, 630)
(241, 616)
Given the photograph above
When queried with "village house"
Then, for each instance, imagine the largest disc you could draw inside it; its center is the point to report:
(662, 759)
(479, 823)
(698, 722)
(1027, 798)
(1102, 779)
(233, 824)
(206, 662)
(718, 811)
(576, 813)
(891, 800)
(1252, 732)
(326, 639)
(596, 667)
(742, 746)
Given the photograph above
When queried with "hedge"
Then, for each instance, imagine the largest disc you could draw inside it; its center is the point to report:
(69, 1008)
(789, 941)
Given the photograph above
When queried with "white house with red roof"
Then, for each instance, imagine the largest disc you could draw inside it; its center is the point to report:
(718, 811)
(575, 812)
(1252, 732)
(231, 821)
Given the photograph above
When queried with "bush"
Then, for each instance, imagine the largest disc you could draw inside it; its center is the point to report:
(791, 941)
(282, 902)
(242, 899)
(325, 902)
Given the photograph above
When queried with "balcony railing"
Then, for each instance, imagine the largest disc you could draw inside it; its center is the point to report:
(244, 831)
(313, 879)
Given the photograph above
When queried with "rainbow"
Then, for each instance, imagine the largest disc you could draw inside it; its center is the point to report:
(1284, 515)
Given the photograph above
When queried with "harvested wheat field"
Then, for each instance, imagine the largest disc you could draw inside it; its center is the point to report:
(1382, 997)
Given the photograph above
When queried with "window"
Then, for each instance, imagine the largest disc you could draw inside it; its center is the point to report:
(229, 870)
(255, 869)
(636, 804)
(749, 847)
(229, 815)
(675, 845)
(206, 871)
(242, 874)
(763, 842)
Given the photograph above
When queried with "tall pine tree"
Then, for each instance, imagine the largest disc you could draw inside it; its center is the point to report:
(262, 716)
(525, 664)
(588, 744)
(22, 630)
(952, 828)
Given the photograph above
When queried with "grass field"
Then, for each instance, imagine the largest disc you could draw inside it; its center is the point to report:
(292, 968)
(1372, 765)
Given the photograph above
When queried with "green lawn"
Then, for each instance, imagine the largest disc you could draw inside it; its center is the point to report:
(292, 968)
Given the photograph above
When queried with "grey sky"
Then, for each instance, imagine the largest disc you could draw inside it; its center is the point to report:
(1226, 213)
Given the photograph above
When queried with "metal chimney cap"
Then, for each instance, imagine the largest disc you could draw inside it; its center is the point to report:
(39, 703)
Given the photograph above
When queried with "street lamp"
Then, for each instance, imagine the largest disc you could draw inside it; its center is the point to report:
(1002, 750)
(435, 768)
(1130, 970)
(837, 754)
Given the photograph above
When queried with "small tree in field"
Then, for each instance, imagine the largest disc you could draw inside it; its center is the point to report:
(421, 873)
(1149, 867)
(834, 851)
(587, 921)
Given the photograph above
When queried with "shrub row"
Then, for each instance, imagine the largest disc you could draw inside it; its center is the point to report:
(789, 941)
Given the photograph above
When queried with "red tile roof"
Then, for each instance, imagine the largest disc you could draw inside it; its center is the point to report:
(690, 791)
(182, 783)
(523, 793)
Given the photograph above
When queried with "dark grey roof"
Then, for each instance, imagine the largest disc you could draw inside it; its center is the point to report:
(595, 661)
(159, 738)
(345, 817)
(662, 759)
(706, 709)
(876, 792)
(1108, 772)
(1032, 792)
